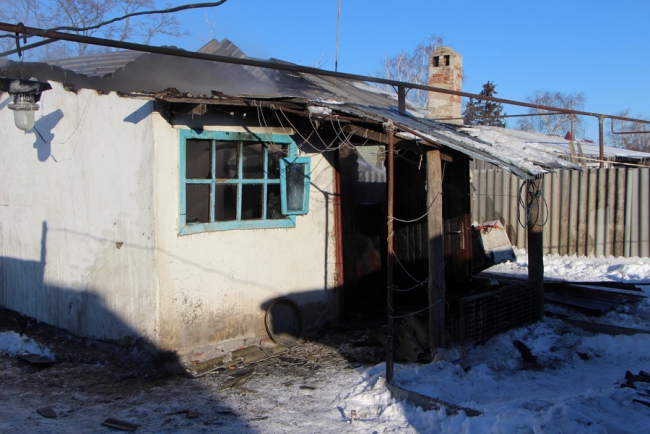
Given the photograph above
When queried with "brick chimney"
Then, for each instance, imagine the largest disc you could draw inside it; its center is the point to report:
(446, 71)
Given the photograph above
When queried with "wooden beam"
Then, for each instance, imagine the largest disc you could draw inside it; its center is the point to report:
(366, 133)
(436, 252)
(535, 240)
(390, 257)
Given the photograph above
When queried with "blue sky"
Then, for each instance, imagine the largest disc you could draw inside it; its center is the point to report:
(596, 47)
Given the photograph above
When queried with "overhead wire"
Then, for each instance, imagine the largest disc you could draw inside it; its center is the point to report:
(121, 18)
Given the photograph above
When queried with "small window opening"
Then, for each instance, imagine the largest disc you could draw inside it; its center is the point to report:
(436, 61)
(447, 60)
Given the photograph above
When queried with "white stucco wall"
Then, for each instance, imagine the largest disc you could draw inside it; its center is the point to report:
(214, 286)
(89, 221)
(77, 217)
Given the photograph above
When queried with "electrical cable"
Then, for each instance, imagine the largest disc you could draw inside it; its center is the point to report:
(529, 204)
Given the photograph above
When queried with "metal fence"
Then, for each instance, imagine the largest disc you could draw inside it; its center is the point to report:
(598, 212)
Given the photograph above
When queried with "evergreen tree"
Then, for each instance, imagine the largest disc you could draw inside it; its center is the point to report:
(484, 112)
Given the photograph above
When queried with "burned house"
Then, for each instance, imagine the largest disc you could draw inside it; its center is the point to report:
(173, 200)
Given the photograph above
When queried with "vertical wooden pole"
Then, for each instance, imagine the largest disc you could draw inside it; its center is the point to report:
(601, 142)
(390, 346)
(535, 240)
(436, 252)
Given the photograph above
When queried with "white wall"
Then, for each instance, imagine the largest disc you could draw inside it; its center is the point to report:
(89, 233)
(65, 204)
(214, 286)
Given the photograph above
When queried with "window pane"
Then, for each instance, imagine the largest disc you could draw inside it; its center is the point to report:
(197, 159)
(226, 155)
(276, 152)
(225, 202)
(253, 159)
(273, 207)
(197, 203)
(251, 202)
(295, 186)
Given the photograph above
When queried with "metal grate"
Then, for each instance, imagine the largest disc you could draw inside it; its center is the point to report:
(485, 315)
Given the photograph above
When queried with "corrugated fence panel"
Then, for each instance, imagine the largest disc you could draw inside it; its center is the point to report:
(599, 212)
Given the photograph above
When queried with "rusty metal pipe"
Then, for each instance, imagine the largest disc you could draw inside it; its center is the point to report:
(611, 124)
(390, 257)
(32, 31)
(601, 142)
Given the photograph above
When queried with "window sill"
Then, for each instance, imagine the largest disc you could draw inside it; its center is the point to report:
(196, 228)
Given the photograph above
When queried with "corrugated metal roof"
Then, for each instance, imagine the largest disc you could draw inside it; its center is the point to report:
(153, 73)
(97, 65)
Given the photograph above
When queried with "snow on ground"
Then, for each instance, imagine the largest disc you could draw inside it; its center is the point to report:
(573, 388)
(580, 268)
(15, 344)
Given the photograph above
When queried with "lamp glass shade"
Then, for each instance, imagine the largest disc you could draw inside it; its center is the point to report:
(24, 119)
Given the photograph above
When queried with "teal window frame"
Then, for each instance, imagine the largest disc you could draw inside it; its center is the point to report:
(306, 182)
(289, 221)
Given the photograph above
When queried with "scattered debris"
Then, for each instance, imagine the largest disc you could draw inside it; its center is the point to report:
(595, 327)
(526, 355)
(189, 414)
(643, 390)
(428, 403)
(245, 391)
(120, 424)
(494, 242)
(306, 387)
(47, 412)
(456, 355)
(592, 298)
(284, 322)
(36, 360)
(237, 381)
(248, 355)
(409, 348)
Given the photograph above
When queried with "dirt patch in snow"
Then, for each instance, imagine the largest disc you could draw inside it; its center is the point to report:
(91, 381)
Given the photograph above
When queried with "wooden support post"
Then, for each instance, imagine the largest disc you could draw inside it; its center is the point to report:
(390, 342)
(601, 142)
(401, 99)
(535, 240)
(437, 303)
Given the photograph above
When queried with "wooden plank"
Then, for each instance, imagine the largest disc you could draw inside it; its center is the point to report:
(427, 403)
(554, 221)
(366, 133)
(644, 212)
(436, 252)
(565, 208)
(572, 247)
(535, 242)
(592, 202)
(631, 211)
(619, 212)
(608, 329)
(601, 212)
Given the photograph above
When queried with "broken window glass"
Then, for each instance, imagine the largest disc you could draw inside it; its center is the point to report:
(253, 154)
(295, 185)
(198, 203)
(236, 183)
(226, 160)
(198, 159)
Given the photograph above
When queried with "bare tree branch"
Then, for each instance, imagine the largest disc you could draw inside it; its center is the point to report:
(412, 68)
(637, 141)
(136, 19)
(557, 124)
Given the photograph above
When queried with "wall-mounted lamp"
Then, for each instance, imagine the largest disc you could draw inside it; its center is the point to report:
(26, 93)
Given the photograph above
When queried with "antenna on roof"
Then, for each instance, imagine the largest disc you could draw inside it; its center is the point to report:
(338, 28)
